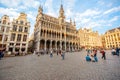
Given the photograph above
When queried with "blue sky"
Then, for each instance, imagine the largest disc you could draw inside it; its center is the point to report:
(100, 15)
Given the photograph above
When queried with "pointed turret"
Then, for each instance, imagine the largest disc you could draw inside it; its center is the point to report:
(70, 21)
(40, 10)
(74, 23)
(40, 13)
(61, 14)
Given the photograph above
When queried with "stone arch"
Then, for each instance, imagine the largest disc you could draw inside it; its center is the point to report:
(58, 44)
(53, 44)
(63, 45)
(42, 42)
(71, 46)
(48, 44)
(67, 46)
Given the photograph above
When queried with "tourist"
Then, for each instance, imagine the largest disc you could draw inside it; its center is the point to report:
(103, 54)
(117, 51)
(34, 52)
(95, 55)
(51, 53)
(88, 58)
(88, 51)
(113, 51)
(63, 55)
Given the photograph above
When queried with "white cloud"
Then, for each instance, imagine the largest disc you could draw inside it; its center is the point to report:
(10, 3)
(24, 3)
(114, 19)
(31, 3)
(115, 9)
(10, 12)
(49, 7)
(101, 2)
(90, 12)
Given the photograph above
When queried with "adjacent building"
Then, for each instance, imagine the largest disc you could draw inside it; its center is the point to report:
(55, 33)
(31, 43)
(18, 41)
(4, 31)
(89, 38)
(111, 39)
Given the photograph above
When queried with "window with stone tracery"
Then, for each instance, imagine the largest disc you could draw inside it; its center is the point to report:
(13, 36)
(25, 38)
(14, 28)
(19, 37)
(20, 28)
(26, 29)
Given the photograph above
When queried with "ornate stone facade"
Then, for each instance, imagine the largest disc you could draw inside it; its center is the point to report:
(4, 31)
(112, 38)
(89, 39)
(18, 41)
(54, 33)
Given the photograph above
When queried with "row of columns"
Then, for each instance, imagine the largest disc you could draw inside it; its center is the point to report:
(45, 44)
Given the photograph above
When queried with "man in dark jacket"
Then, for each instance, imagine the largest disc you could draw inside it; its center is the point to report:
(117, 51)
(103, 54)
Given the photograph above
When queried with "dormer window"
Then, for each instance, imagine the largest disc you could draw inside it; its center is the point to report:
(21, 22)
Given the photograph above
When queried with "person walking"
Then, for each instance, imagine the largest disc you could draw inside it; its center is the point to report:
(63, 55)
(103, 54)
(95, 55)
(88, 51)
(51, 53)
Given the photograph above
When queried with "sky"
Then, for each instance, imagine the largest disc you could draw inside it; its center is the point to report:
(98, 15)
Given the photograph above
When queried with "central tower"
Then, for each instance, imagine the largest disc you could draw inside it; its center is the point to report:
(61, 15)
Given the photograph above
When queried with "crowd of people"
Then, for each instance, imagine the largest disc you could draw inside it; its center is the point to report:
(92, 54)
(51, 53)
(115, 51)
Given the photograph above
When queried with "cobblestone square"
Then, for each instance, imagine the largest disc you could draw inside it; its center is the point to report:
(74, 67)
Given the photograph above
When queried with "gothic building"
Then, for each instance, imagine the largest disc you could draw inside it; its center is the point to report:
(55, 33)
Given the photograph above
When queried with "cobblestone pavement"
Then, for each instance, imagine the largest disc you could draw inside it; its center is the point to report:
(74, 67)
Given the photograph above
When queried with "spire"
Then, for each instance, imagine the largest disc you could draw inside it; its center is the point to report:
(74, 23)
(61, 14)
(61, 11)
(70, 21)
(40, 9)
